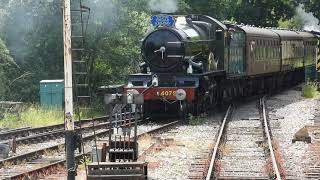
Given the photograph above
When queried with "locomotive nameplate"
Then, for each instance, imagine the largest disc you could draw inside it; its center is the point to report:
(168, 93)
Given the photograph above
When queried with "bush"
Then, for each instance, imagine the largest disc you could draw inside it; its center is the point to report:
(310, 90)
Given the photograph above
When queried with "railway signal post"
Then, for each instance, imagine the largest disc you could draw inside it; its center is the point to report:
(68, 116)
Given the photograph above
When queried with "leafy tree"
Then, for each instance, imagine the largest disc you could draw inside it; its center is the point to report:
(114, 40)
(32, 30)
(215, 8)
(263, 12)
(6, 64)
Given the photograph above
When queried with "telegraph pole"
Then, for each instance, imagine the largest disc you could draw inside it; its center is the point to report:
(68, 116)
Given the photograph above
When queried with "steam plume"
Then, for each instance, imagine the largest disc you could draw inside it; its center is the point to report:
(163, 6)
(308, 20)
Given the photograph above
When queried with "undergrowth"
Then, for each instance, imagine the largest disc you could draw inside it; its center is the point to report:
(197, 120)
(84, 162)
(310, 90)
(35, 116)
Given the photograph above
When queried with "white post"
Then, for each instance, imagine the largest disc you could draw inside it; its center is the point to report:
(69, 124)
(68, 116)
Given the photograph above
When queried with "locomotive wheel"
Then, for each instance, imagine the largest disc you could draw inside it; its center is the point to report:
(183, 113)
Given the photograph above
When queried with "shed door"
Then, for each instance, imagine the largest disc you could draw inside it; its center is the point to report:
(57, 95)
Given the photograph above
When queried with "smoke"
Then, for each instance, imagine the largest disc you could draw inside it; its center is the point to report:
(308, 20)
(101, 9)
(17, 25)
(163, 6)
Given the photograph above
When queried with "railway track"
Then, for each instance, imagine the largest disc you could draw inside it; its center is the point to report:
(46, 135)
(46, 165)
(200, 167)
(243, 147)
(312, 170)
(50, 135)
(38, 138)
(27, 131)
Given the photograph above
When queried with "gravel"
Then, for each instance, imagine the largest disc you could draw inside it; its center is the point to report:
(293, 112)
(242, 153)
(172, 160)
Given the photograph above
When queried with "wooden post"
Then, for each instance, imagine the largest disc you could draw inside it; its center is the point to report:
(68, 116)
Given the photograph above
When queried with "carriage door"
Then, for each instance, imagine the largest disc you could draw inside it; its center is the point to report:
(318, 57)
(236, 62)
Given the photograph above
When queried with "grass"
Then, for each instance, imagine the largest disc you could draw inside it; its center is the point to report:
(310, 90)
(84, 162)
(35, 116)
(198, 120)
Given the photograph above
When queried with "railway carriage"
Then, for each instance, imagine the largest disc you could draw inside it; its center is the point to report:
(193, 62)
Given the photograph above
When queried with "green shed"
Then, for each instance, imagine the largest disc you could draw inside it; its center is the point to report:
(52, 93)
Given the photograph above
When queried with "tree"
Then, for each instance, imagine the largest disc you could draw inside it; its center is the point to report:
(33, 33)
(263, 12)
(312, 6)
(114, 40)
(218, 9)
(7, 64)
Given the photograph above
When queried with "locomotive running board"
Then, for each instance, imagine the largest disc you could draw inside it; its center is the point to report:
(118, 170)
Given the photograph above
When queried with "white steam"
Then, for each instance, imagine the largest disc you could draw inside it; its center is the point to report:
(308, 20)
(163, 6)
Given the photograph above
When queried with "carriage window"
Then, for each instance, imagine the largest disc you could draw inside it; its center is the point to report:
(219, 35)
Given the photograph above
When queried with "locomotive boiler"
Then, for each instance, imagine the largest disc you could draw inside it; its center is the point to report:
(183, 48)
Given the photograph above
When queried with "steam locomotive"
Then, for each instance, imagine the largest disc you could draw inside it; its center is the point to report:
(192, 62)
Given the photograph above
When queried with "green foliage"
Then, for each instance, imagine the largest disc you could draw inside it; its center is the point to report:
(198, 120)
(84, 162)
(33, 116)
(32, 36)
(114, 42)
(33, 33)
(263, 13)
(7, 64)
(219, 9)
(310, 90)
(293, 23)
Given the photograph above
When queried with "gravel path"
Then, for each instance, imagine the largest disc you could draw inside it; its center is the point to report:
(289, 112)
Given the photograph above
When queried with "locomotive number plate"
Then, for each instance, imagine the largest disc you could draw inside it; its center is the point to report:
(168, 93)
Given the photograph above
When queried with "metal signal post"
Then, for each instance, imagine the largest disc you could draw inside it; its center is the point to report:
(69, 123)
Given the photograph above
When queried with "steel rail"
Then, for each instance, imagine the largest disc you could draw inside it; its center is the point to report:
(51, 135)
(34, 154)
(22, 132)
(267, 131)
(45, 168)
(218, 141)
